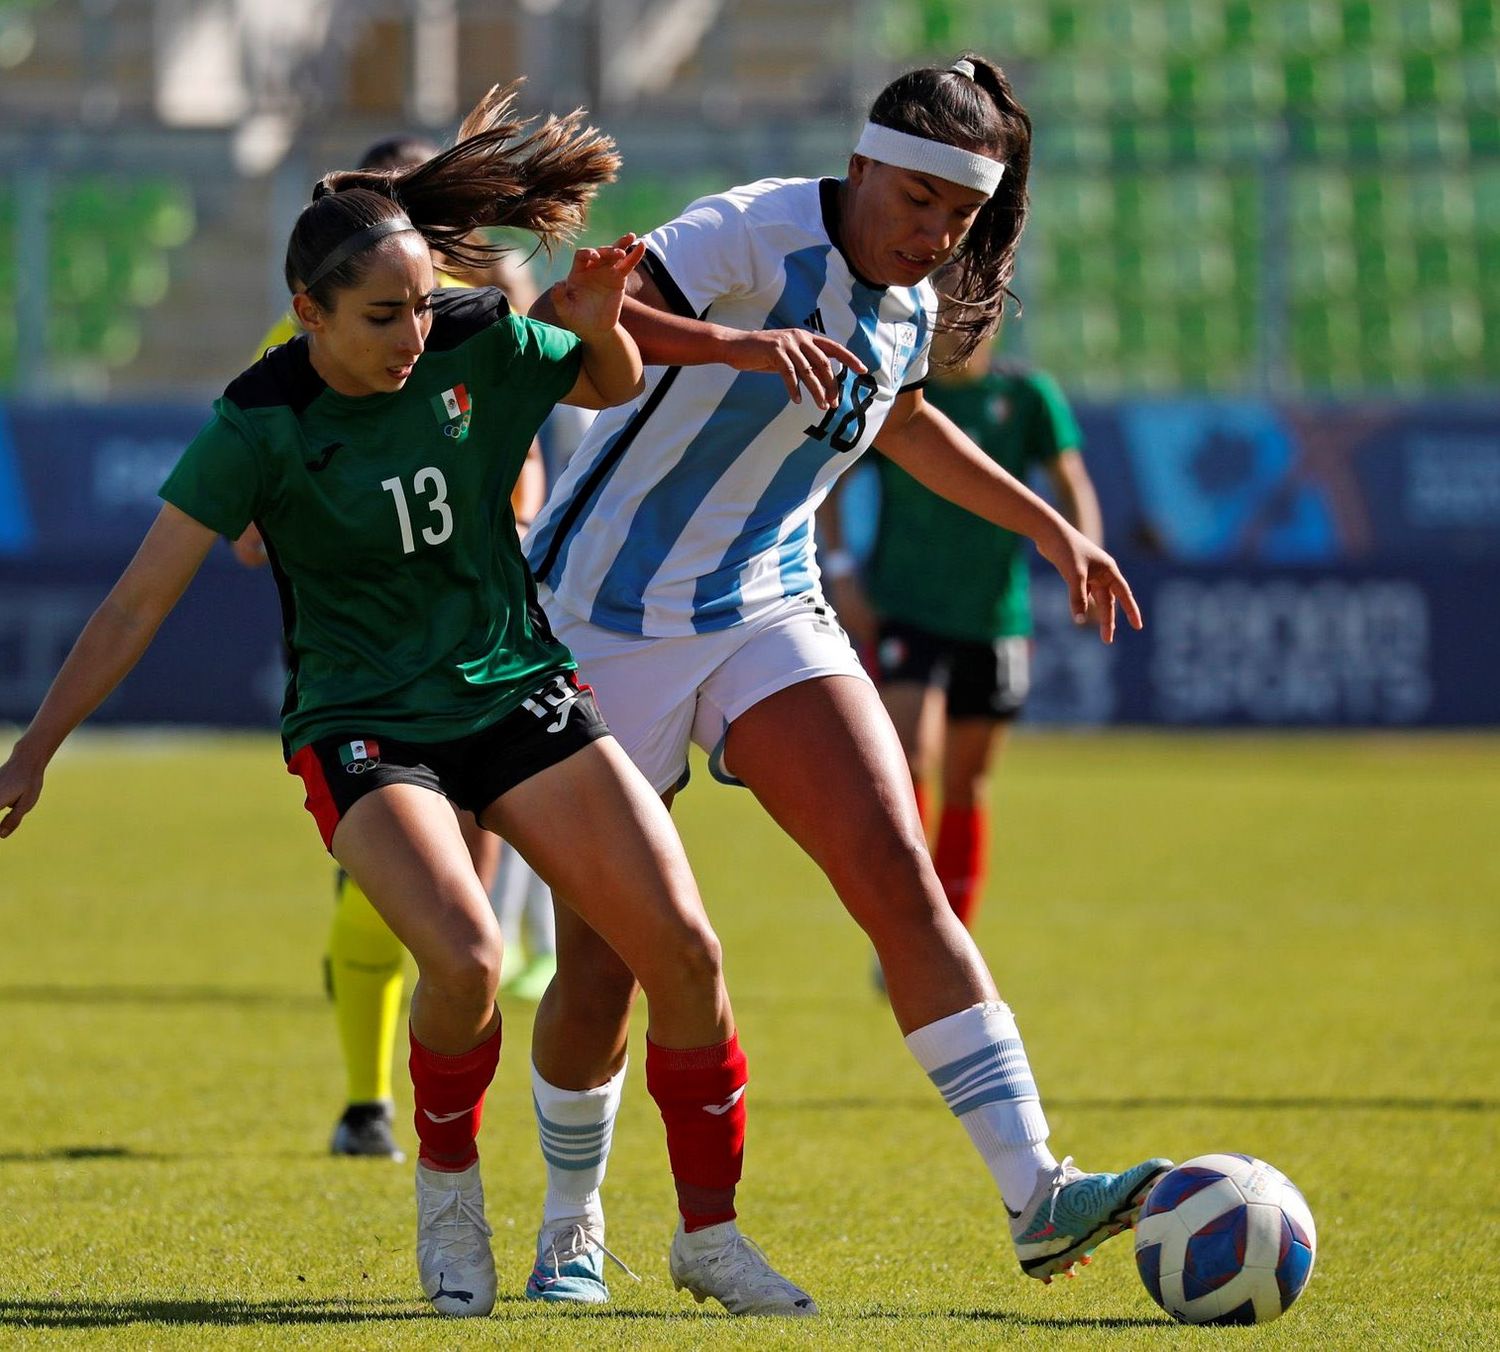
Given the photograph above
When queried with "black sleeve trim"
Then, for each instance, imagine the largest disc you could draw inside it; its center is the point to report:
(915, 385)
(459, 312)
(283, 377)
(656, 270)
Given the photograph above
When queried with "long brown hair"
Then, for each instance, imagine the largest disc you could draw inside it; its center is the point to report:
(979, 114)
(502, 170)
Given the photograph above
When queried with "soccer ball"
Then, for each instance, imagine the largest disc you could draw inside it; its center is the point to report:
(1225, 1239)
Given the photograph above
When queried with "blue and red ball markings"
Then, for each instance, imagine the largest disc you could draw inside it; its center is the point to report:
(1216, 1254)
(1176, 1187)
(1294, 1264)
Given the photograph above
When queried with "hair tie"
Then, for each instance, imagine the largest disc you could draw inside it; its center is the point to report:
(320, 189)
(963, 66)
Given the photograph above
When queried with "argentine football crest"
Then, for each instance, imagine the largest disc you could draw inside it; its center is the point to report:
(901, 350)
(452, 409)
(359, 755)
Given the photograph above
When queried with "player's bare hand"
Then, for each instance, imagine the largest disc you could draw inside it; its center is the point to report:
(20, 787)
(1095, 583)
(803, 359)
(589, 298)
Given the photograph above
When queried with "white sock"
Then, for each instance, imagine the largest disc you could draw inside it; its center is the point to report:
(976, 1060)
(576, 1127)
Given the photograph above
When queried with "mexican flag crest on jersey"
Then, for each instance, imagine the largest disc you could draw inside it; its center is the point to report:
(451, 408)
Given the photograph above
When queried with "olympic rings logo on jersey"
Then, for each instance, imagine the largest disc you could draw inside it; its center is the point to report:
(457, 431)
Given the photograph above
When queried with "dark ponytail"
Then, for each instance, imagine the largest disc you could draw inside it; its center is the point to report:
(502, 170)
(978, 113)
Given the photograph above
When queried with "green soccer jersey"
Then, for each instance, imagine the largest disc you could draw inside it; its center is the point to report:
(940, 567)
(407, 606)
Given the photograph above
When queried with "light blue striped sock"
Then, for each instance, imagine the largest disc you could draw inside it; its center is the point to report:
(575, 1127)
(978, 1063)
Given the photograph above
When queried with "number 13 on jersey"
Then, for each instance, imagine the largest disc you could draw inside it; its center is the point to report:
(429, 485)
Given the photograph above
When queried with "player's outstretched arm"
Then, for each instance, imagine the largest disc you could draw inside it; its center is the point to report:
(588, 301)
(929, 447)
(801, 358)
(111, 643)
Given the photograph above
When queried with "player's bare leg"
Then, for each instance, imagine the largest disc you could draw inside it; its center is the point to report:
(403, 845)
(829, 739)
(627, 878)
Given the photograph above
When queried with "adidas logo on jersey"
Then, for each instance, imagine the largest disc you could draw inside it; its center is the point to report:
(814, 321)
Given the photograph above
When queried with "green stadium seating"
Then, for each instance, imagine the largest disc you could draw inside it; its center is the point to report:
(107, 246)
(1312, 26)
(1191, 27)
(1479, 24)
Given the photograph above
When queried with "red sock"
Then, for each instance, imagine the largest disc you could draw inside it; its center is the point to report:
(701, 1095)
(959, 858)
(449, 1094)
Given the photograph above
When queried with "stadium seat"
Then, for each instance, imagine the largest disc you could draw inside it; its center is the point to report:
(1428, 25)
(1190, 27)
(1311, 26)
(1479, 24)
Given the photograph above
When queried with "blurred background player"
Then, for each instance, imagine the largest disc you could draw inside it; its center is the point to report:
(942, 605)
(364, 968)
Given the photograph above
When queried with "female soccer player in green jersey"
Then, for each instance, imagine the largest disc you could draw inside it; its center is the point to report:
(375, 454)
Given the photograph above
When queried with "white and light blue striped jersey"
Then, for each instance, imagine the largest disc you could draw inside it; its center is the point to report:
(687, 510)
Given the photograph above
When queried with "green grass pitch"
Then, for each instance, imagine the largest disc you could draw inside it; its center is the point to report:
(1281, 946)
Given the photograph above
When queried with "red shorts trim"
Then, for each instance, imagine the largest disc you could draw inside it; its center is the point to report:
(319, 797)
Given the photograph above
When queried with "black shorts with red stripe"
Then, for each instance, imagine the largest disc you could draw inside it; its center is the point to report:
(557, 719)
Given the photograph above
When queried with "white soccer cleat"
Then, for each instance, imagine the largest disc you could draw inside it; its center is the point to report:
(453, 1242)
(720, 1262)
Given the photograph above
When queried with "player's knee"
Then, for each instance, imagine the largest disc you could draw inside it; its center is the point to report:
(466, 967)
(894, 861)
(690, 960)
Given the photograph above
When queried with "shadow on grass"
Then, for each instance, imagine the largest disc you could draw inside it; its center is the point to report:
(61, 1154)
(71, 1314)
(1033, 1321)
(1289, 1103)
(76, 1314)
(150, 996)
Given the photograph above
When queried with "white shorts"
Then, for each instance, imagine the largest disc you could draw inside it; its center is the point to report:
(659, 694)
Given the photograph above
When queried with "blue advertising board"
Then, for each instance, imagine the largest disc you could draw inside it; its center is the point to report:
(1300, 567)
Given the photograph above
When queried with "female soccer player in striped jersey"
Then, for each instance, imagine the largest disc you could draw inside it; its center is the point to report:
(675, 557)
(376, 454)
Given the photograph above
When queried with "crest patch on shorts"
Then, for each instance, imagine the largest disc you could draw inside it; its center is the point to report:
(359, 755)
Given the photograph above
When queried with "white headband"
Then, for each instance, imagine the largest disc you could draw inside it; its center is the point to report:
(922, 156)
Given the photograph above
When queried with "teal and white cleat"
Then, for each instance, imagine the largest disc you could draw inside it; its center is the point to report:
(1071, 1213)
(569, 1267)
(722, 1263)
